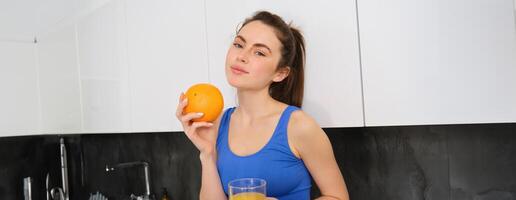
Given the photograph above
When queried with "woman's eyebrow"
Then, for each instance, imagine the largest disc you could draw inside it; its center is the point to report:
(256, 44)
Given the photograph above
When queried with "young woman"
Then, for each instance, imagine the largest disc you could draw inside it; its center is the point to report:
(267, 135)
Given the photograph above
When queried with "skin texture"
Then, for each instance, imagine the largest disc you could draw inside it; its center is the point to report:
(251, 66)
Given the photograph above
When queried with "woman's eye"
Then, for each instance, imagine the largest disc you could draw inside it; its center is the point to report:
(237, 45)
(260, 53)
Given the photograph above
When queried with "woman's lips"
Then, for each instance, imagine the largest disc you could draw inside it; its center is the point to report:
(238, 70)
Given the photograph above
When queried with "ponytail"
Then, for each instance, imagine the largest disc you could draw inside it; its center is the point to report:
(289, 90)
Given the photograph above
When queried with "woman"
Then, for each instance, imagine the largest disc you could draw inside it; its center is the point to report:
(266, 136)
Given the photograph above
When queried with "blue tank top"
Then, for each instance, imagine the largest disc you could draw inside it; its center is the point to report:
(286, 175)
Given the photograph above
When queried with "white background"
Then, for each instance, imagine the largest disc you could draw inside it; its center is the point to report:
(120, 65)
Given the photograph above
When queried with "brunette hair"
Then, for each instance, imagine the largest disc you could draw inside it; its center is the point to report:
(290, 90)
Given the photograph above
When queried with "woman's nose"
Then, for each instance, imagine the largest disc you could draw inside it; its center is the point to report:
(242, 57)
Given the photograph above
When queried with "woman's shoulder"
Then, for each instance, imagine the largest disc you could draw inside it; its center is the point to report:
(304, 132)
(301, 123)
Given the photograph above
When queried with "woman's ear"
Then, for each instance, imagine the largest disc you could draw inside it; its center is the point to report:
(281, 74)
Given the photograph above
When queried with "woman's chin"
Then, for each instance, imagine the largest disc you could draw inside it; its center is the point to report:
(235, 83)
(233, 80)
(238, 84)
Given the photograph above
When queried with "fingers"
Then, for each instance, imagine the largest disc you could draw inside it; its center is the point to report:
(193, 128)
(197, 125)
(183, 101)
(185, 119)
(182, 97)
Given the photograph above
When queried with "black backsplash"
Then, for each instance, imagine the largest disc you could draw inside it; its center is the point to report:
(27, 156)
(441, 162)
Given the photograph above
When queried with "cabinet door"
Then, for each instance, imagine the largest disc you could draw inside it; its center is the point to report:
(104, 79)
(167, 53)
(59, 86)
(332, 73)
(20, 111)
(438, 62)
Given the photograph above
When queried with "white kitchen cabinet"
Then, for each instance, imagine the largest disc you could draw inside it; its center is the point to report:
(59, 83)
(104, 72)
(17, 20)
(166, 54)
(53, 16)
(19, 105)
(332, 73)
(438, 62)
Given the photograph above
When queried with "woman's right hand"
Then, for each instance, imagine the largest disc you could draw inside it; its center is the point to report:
(202, 134)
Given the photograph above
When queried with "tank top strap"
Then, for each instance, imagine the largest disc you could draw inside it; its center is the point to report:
(224, 126)
(280, 133)
(285, 117)
(279, 140)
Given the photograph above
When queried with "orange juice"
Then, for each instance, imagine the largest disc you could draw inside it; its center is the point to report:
(248, 196)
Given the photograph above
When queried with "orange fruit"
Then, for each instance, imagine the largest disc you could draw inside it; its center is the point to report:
(204, 98)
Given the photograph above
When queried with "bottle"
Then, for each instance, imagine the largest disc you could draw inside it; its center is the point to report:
(165, 194)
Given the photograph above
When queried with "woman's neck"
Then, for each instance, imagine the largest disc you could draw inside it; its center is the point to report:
(256, 104)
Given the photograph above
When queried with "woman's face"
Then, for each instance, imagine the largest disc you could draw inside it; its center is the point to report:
(252, 59)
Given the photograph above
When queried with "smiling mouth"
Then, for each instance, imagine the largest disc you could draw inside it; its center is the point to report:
(237, 70)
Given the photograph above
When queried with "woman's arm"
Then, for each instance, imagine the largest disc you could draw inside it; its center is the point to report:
(211, 187)
(314, 148)
(204, 136)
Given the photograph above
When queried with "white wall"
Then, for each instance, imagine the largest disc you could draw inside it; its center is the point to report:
(332, 72)
(103, 68)
(119, 65)
(59, 86)
(18, 20)
(84, 80)
(19, 105)
(438, 62)
(167, 53)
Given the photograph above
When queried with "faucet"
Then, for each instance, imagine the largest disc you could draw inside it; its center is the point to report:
(145, 165)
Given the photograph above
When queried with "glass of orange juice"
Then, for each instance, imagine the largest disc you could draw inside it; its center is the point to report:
(247, 189)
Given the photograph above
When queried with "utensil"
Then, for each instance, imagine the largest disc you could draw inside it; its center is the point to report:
(57, 193)
(97, 196)
(47, 186)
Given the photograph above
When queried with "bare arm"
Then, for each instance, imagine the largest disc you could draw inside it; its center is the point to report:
(211, 188)
(315, 149)
(204, 136)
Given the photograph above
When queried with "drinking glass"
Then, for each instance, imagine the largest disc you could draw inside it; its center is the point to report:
(247, 189)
